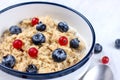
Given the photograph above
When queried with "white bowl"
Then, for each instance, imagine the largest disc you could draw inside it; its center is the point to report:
(15, 13)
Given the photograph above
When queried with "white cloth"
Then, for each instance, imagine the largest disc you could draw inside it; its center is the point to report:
(105, 18)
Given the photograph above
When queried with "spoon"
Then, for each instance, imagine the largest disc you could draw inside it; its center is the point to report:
(99, 72)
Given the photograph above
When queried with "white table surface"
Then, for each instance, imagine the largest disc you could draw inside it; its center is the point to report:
(105, 18)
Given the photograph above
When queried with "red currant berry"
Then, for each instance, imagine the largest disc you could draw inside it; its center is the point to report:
(105, 60)
(33, 52)
(63, 41)
(34, 21)
(17, 44)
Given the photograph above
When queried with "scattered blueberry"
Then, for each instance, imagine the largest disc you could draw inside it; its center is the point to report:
(117, 43)
(63, 27)
(41, 27)
(97, 48)
(8, 61)
(15, 30)
(74, 43)
(59, 55)
(31, 68)
(38, 38)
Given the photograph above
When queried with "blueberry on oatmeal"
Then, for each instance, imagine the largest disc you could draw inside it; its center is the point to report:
(63, 27)
(74, 43)
(38, 38)
(59, 55)
(31, 68)
(41, 27)
(8, 61)
(15, 30)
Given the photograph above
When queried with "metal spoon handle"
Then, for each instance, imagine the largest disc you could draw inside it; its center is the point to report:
(100, 72)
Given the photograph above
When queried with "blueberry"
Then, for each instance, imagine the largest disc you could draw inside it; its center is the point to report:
(63, 27)
(59, 55)
(31, 68)
(38, 38)
(117, 43)
(74, 43)
(41, 27)
(97, 48)
(8, 61)
(15, 30)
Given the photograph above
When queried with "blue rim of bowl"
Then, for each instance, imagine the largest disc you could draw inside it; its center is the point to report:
(67, 70)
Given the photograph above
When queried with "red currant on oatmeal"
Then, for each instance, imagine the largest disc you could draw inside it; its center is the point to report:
(33, 52)
(34, 21)
(63, 41)
(17, 44)
(105, 59)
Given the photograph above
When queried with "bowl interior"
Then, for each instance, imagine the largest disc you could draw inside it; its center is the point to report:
(15, 15)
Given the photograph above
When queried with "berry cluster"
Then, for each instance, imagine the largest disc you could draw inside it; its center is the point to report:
(97, 49)
(58, 55)
(37, 39)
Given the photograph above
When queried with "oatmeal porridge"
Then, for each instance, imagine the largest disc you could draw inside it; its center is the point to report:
(41, 45)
